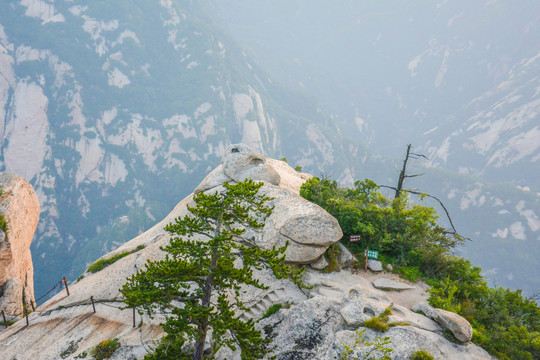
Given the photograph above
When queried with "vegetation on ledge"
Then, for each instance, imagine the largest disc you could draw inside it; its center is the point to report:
(407, 236)
(103, 263)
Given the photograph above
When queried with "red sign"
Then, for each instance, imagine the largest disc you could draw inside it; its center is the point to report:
(354, 238)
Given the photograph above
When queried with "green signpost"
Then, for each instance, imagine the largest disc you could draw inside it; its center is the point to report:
(371, 254)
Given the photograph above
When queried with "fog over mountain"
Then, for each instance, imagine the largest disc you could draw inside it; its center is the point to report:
(460, 81)
(114, 110)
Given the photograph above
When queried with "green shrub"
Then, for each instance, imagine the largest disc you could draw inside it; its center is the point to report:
(3, 223)
(411, 273)
(271, 311)
(103, 263)
(421, 355)
(376, 324)
(373, 348)
(105, 349)
(504, 322)
(169, 348)
(379, 323)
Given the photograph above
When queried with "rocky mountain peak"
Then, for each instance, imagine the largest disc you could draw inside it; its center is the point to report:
(314, 323)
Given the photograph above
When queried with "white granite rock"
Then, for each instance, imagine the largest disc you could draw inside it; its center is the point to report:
(460, 327)
(361, 304)
(240, 162)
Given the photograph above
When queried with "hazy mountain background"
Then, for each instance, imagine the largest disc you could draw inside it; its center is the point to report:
(458, 80)
(115, 110)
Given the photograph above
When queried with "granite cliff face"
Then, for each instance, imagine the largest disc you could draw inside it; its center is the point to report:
(20, 208)
(316, 325)
(112, 109)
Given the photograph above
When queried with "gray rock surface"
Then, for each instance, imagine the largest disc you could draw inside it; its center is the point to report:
(361, 304)
(240, 162)
(320, 263)
(313, 329)
(387, 284)
(307, 228)
(345, 258)
(20, 207)
(460, 327)
(374, 265)
(405, 341)
(402, 314)
(212, 180)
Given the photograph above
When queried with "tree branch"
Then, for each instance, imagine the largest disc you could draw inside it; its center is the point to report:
(438, 200)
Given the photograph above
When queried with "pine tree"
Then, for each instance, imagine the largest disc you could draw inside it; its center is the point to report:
(198, 284)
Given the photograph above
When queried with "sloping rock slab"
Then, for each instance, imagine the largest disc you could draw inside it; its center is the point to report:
(387, 284)
(460, 327)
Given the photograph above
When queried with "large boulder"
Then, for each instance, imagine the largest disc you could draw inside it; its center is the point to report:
(460, 327)
(307, 228)
(20, 208)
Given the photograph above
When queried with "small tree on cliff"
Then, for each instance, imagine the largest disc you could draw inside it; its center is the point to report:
(198, 284)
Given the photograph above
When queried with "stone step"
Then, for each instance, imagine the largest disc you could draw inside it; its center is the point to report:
(324, 291)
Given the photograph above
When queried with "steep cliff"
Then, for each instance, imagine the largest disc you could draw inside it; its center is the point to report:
(19, 207)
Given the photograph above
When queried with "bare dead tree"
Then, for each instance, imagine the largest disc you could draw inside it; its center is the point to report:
(403, 175)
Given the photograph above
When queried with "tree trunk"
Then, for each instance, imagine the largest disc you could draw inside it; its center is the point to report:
(402, 173)
(203, 325)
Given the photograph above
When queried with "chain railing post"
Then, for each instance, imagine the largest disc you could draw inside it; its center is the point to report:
(93, 305)
(65, 283)
(4, 316)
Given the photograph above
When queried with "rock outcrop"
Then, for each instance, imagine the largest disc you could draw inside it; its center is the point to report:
(460, 327)
(314, 323)
(306, 227)
(315, 329)
(20, 208)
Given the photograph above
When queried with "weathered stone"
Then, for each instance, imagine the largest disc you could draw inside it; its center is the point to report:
(374, 265)
(308, 228)
(405, 341)
(361, 304)
(20, 208)
(345, 258)
(240, 163)
(402, 314)
(460, 327)
(216, 178)
(387, 284)
(320, 263)
(304, 331)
